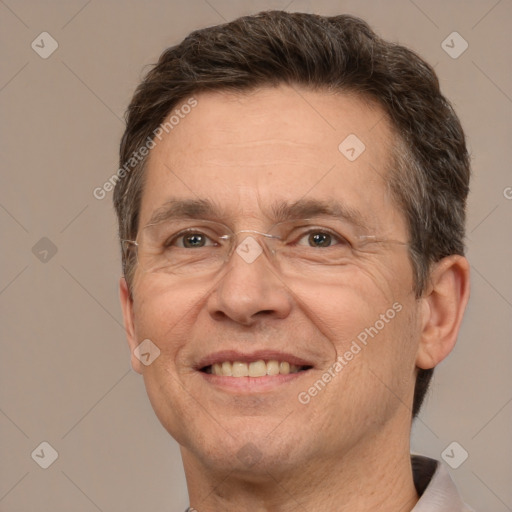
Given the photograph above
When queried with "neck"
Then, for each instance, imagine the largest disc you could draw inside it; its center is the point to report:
(376, 476)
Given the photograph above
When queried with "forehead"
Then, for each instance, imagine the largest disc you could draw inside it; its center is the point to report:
(247, 151)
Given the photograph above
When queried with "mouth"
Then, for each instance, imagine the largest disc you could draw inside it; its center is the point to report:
(258, 368)
(258, 371)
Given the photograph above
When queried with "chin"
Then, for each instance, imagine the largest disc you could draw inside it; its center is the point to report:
(251, 454)
(249, 462)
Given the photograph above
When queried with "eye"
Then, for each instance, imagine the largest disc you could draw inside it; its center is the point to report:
(320, 238)
(190, 239)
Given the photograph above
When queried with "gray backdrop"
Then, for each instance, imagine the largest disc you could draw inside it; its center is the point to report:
(64, 367)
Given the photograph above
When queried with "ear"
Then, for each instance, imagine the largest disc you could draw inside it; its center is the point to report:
(442, 309)
(129, 322)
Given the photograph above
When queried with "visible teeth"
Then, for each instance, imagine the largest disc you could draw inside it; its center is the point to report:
(284, 368)
(240, 369)
(273, 368)
(227, 370)
(258, 368)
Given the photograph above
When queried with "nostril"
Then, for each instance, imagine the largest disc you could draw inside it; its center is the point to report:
(265, 312)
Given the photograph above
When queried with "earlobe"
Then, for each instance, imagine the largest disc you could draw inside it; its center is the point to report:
(442, 309)
(129, 322)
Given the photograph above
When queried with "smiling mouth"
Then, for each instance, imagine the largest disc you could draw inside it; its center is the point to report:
(259, 368)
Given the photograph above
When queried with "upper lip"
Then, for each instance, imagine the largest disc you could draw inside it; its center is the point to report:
(249, 357)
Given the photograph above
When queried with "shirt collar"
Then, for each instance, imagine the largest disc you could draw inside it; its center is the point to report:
(435, 487)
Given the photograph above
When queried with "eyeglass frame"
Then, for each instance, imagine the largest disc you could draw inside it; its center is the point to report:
(233, 235)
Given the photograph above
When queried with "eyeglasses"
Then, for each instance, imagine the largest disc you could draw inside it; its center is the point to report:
(200, 247)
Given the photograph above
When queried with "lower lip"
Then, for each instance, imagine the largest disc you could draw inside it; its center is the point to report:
(251, 384)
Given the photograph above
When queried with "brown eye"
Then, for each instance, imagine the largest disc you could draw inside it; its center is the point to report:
(194, 240)
(320, 239)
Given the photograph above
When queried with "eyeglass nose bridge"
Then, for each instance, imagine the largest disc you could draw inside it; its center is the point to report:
(266, 235)
(250, 253)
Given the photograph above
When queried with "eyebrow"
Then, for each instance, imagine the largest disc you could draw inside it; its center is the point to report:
(186, 208)
(280, 211)
(310, 208)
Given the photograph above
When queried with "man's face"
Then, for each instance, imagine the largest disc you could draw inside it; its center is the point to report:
(244, 154)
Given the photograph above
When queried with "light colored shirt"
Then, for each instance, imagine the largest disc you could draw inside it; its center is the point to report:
(434, 486)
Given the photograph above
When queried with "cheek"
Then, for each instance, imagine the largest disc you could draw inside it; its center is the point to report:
(161, 306)
(167, 398)
(387, 358)
(354, 300)
(370, 319)
(378, 367)
(165, 315)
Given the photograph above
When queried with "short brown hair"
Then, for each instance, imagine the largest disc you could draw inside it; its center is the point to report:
(429, 177)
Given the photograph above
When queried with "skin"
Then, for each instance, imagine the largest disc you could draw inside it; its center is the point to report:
(348, 448)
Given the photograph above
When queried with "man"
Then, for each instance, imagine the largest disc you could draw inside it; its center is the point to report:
(291, 210)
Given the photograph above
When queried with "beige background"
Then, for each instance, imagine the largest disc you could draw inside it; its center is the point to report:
(64, 364)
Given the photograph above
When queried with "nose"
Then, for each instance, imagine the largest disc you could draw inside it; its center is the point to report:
(251, 288)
